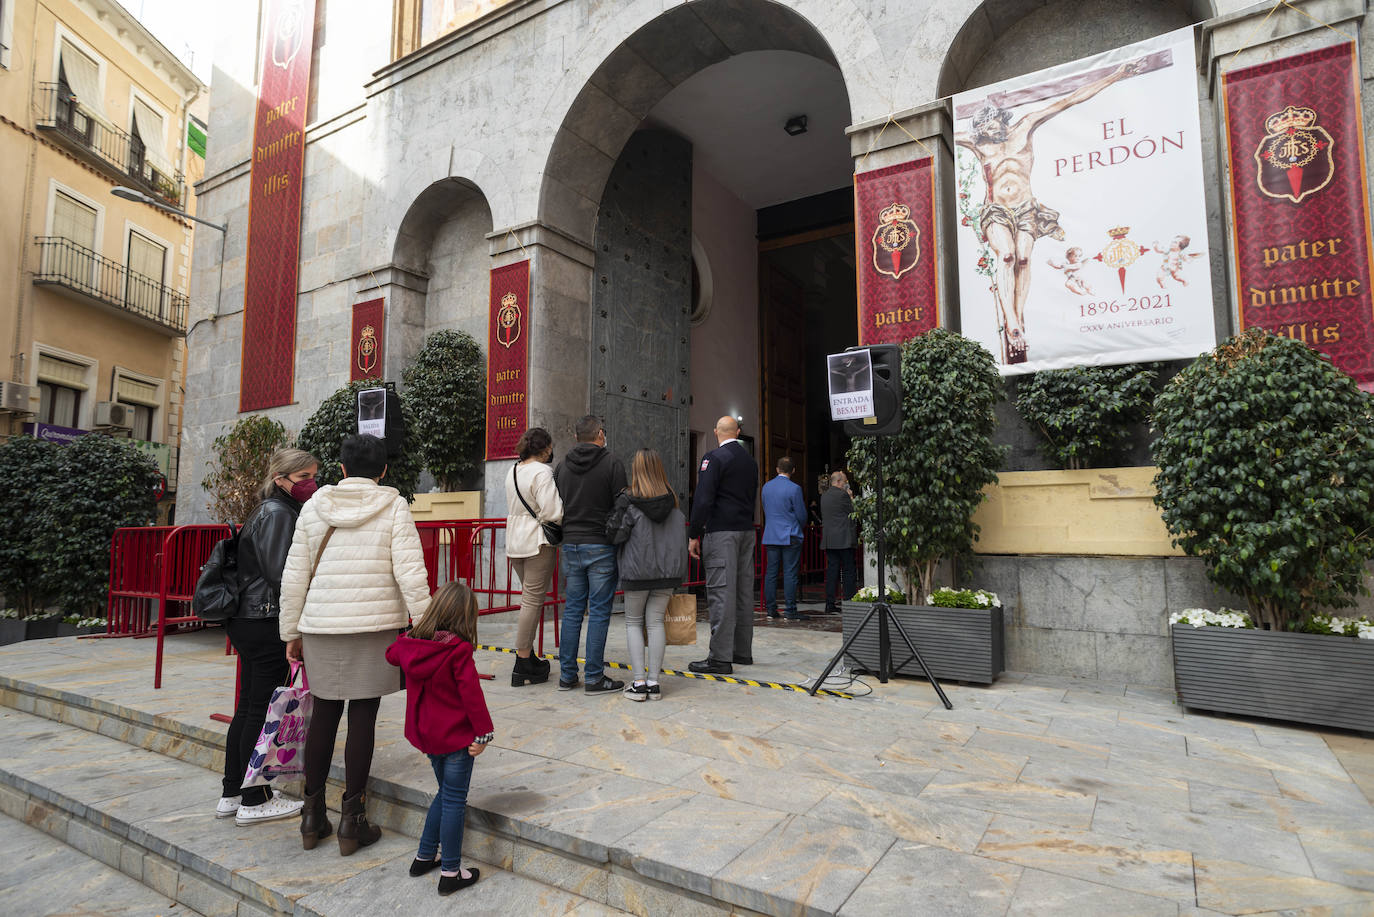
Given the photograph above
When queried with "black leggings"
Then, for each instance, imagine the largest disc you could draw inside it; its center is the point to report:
(358, 744)
(262, 666)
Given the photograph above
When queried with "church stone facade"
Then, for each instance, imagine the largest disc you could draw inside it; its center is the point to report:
(429, 163)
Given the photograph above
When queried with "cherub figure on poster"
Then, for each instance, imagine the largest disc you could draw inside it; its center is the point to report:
(1072, 268)
(1174, 260)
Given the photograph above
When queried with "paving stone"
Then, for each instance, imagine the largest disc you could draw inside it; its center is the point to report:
(1064, 752)
(692, 842)
(971, 759)
(919, 820)
(1213, 836)
(1152, 869)
(761, 787)
(921, 881)
(801, 866)
(41, 875)
(1231, 887)
(1119, 783)
(871, 771)
(1040, 893)
(1025, 800)
(638, 897)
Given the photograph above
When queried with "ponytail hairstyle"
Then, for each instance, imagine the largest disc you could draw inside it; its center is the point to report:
(284, 463)
(454, 609)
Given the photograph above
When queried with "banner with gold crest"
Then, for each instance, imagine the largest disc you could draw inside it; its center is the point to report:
(272, 265)
(894, 234)
(507, 359)
(1300, 237)
(369, 320)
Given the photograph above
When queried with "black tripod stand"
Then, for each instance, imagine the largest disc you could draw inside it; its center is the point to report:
(883, 612)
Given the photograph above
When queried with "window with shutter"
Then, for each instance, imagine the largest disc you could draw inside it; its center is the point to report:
(144, 291)
(81, 74)
(71, 219)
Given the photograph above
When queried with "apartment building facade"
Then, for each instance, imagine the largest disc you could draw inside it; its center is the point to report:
(93, 286)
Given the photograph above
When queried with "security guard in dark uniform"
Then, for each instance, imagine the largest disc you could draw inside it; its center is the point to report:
(723, 511)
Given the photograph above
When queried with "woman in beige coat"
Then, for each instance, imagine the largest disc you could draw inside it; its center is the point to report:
(368, 582)
(531, 555)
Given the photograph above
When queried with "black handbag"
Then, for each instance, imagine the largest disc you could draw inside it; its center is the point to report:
(553, 531)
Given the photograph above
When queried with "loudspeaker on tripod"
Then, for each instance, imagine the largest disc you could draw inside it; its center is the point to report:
(887, 393)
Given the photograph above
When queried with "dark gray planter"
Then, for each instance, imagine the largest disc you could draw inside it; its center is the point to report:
(1308, 678)
(960, 644)
(13, 630)
(71, 630)
(43, 628)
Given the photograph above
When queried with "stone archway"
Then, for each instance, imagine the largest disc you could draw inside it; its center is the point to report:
(438, 271)
(1002, 39)
(626, 195)
(637, 75)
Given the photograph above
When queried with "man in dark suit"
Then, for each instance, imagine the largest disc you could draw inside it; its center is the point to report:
(722, 535)
(837, 538)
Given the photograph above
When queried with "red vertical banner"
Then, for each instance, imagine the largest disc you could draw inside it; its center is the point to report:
(369, 322)
(1300, 203)
(507, 359)
(894, 235)
(267, 368)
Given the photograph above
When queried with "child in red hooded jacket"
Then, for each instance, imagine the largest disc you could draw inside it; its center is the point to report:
(447, 719)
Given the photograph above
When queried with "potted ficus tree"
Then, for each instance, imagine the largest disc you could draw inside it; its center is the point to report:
(1266, 473)
(935, 471)
(446, 388)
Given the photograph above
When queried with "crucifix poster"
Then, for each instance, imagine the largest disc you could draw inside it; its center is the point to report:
(1082, 224)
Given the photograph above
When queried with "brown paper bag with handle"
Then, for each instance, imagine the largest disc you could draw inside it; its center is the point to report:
(680, 620)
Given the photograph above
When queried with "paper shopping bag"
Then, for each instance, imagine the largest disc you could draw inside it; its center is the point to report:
(280, 752)
(680, 620)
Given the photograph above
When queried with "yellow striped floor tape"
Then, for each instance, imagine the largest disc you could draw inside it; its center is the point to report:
(727, 679)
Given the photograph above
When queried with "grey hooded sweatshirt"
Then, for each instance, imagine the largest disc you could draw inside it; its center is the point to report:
(652, 536)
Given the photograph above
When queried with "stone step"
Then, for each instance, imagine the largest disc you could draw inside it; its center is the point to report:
(40, 874)
(152, 818)
(570, 859)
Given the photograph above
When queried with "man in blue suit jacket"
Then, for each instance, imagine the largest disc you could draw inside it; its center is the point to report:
(784, 513)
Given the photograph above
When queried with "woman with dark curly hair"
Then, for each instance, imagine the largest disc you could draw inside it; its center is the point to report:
(533, 500)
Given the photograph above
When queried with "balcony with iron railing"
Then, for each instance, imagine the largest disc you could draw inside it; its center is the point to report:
(63, 263)
(123, 155)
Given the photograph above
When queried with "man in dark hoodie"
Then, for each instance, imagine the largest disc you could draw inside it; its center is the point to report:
(588, 479)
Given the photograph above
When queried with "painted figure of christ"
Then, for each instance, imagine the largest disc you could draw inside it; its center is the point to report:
(1012, 219)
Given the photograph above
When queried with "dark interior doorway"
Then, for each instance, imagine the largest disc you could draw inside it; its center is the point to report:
(807, 308)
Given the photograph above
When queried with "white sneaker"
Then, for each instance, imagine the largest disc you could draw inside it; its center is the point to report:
(228, 805)
(273, 809)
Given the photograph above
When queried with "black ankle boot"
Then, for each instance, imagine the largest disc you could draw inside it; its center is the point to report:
(354, 829)
(529, 670)
(314, 820)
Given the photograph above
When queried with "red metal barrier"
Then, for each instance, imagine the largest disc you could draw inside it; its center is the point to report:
(156, 567)
(467, 550)
(184, 550)
(135, 568)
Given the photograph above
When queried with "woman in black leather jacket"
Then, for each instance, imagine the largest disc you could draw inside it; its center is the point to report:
(263, 545)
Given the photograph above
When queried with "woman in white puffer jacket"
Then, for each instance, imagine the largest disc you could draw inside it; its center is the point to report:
(369, 581)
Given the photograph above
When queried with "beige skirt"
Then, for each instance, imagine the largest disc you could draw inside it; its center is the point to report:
(350, 666)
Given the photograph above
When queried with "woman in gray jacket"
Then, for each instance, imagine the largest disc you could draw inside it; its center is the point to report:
(651, 533)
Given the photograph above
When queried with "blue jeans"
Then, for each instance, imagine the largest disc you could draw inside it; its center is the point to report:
(589, 578)
(444, 824)
(789, 556)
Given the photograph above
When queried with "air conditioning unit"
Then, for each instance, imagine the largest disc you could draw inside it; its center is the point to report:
(114, 414)
(15, 397)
